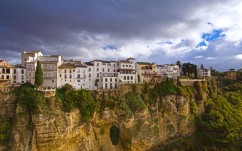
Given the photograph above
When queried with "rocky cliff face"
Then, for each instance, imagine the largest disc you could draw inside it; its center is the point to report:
(55, 130)
(59, 131)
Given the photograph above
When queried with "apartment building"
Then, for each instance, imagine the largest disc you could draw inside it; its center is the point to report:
(5, 70)
(18, 75)
(203, 72)
(126, 71)
(146, 71)
(29, 61)
(49, 65)
(168, 70)
(105, 73)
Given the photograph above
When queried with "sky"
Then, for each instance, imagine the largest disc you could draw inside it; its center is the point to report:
(207, 32)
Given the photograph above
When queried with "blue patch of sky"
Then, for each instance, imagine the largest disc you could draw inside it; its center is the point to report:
(110, 47)
(216, 33)
(201, 44)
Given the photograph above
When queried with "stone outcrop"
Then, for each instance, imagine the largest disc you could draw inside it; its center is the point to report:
(59, 131)
(55, 130)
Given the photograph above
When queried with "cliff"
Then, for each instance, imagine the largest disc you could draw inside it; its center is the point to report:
(167, 119)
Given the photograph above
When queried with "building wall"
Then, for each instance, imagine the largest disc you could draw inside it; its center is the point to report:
(204, 72)
(168, 70)
(146, 71)
(18, 75)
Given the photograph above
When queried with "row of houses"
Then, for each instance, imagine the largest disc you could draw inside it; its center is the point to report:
(95, 74)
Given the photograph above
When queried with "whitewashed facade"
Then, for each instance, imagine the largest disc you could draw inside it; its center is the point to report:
(203, 72)
(49, 65)
(18, 75)
(29, 61)
(168, 70)
(126, 71)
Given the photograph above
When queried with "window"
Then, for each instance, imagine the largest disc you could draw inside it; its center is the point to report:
(65, 70)
(126, 65)
(3, 70)
(131, 77)
(123, 65)
(78, 71)
(97, 69)
(14, 81)
(97, 64)
(89, 75)
(70, 76)
(78, 80)
(113, 70)
(14, 71)
(7, 77)
(22, 77)
(124, 77)
(108, 70)
(60, 75)
(53, 81)
(73, 70)
(116, 80)
(129, 65)
(127, 77)
(65, 76)
(103, 70)
(106, 80)
(111, 80)
(97, 74)
(89, 69)
(22, 71)
(70, 70)
(78, 76)
(14, 77)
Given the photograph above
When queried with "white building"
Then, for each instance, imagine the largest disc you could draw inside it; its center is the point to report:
(79, 75)
(49, 65)
(126, 71)
(29, 61)
(168, 70)
(203, 72)
(18, 74)
(105, 74)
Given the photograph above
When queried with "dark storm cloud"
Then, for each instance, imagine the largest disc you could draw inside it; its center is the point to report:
(53, 21)
(69, 28)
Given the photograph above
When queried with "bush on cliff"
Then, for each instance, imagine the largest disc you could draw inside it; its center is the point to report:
(81, 99)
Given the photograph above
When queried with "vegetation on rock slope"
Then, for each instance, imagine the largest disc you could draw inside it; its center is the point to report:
(219, 127)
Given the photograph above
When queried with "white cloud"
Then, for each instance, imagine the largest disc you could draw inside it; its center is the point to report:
(199, 57)
(238, 56)
(211, 58)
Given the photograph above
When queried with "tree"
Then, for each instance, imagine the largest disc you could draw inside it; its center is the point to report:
(202, 67)
(38, 75)
(179, 63)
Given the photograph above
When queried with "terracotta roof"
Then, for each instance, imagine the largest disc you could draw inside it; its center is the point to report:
(67, 65)
(89, 64)
(146, 63)
(19, 66)
(126, 69)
